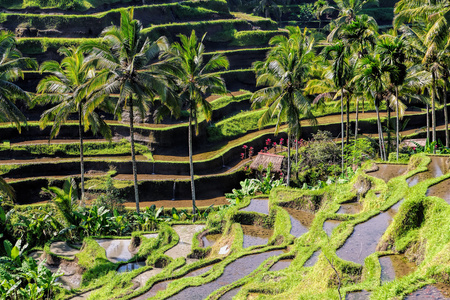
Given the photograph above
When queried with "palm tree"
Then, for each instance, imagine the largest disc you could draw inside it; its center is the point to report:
(195, 80)
(70, 86)
(371, 77)
(266, 8)
(11, 65)
(392, 51)
(436, 17)
(347, 12)
(339, 53)
(134, 73)
(285, 74)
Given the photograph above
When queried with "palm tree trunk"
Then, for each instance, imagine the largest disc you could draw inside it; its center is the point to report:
(133, 156)
(342, 129)
(433, 109)
(388, 127)
(289, 162)
(397, 124)
(428, 122)
(191, 164)
(347, 134)
(80, 131)
(446, 115)
(356, 120)
(296, 150)
(380, 133)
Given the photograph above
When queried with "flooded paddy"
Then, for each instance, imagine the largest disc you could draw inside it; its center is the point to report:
(434, 292)
(300, 221)
(388, 171)
(313, 259)
(255, 235)
(131, 266)
(281, 264)
(233, 272)
(210, 239)
(437, 167)
(361, 295)
(395, 266)
(186, 233)
(329, 225)
(364, 239)
(116, 250)
(350, 208)
(161, 286)
(440, 190)
(230, 294)
(63, 249)
(258, 205)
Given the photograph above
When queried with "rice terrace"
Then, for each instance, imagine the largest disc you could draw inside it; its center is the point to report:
(224, 149)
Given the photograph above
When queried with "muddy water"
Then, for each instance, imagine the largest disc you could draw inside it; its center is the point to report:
(63, 249)
(440, 190)
(161, 286)
(388, 171)
(210, 239)
(313, 259)
(281, 264)
(255, 235)
(300, 221)
(233, 272)
(131, 266)
(362, 295)
(395, 266)
(116, 250)
(230, 294)
(393, 210)
(350, 208)
(437, 167)
(329, 225)
(258, 205)
(364, 239)
(186, 233)
(429, 292)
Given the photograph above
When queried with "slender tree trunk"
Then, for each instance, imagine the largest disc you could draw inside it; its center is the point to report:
(446, 114)
(428, 122)
(388, 127)
(296, 149)
(397, 124)
(433, 109)
(289, 162)
(342, 129)
(356, 120)
(191, 164)
(380, 133)
(347, 134)
(133, 156)
(80, 131)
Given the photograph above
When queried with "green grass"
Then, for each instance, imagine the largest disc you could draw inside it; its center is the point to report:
(90, 149)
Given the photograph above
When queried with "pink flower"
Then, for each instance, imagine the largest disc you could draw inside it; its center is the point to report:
(244, 147)
(414, 148)
(242, 155)
(274, 144)
(268, 142)
(265, 149)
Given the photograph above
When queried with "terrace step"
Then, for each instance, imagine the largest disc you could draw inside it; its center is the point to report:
(91, 25)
